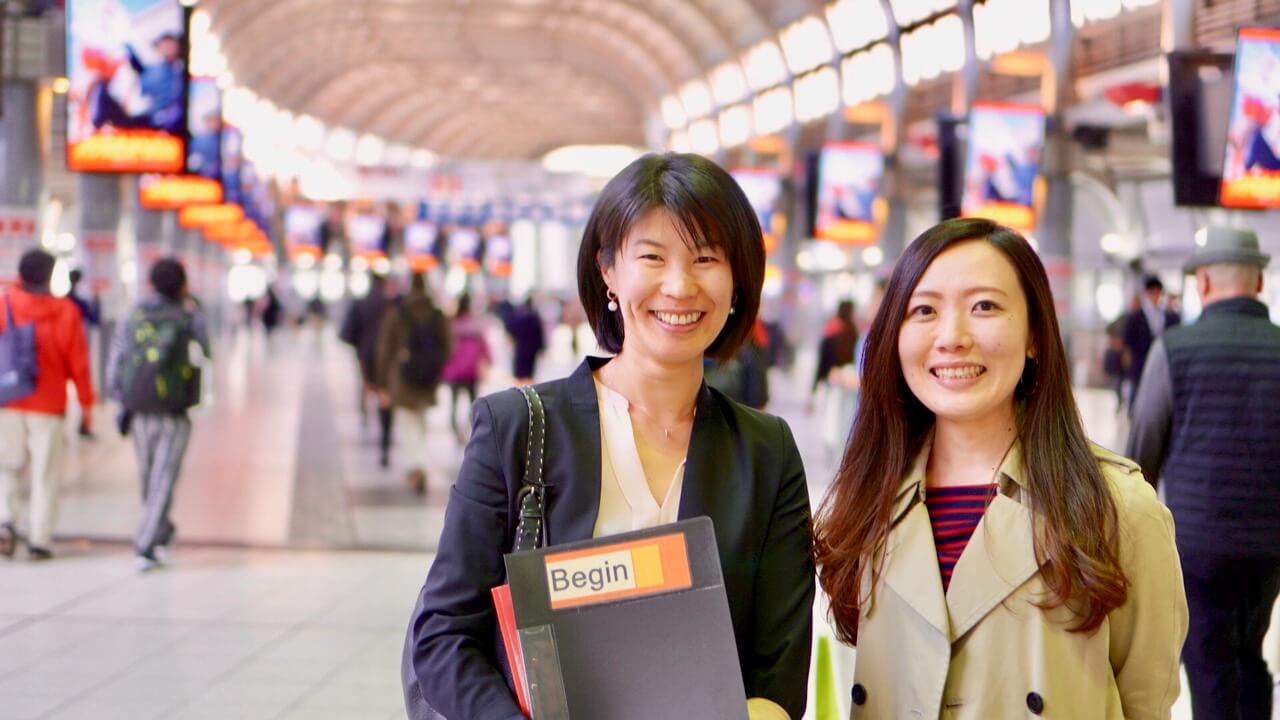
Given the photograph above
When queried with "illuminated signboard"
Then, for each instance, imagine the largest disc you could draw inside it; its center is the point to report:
(763, 188)
(1003, 162)
(1251, 168)
(202, 216)
(848, 186)
(126, 107)
(173, 192)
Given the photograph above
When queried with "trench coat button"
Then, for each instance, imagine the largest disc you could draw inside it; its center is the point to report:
(1035, 703)
(859, 694)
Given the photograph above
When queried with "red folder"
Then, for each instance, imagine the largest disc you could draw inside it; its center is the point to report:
(511, 641)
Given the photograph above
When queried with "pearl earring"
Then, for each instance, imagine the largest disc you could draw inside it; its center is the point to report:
(733, 309)
(613, 301)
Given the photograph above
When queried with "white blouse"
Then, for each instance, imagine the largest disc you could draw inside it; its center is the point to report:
(626, 503)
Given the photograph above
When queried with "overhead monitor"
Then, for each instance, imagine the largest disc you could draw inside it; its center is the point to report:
(302, 230)
(497, 251)
(422, 245)
(204, 126)
(1251, 166)
(126, 106)
(848, 185)
(1199, 96)
(367, 234)
(763, 188)
(466, 248)
(1003, 162)
(231, 161)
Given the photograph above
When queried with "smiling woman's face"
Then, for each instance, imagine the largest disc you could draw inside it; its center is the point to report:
(674, 300)
(965, 338)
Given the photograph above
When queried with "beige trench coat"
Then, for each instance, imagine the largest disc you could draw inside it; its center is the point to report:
(984, 651)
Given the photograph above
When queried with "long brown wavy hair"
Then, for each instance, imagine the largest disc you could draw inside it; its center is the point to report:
(1076, 522)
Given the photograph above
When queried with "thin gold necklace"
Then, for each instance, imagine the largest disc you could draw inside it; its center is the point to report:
(666, 430)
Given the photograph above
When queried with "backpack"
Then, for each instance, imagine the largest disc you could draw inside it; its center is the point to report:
(425, 351)
(157, 375)
(18, 368)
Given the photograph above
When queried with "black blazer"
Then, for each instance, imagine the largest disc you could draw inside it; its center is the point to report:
(743, 471)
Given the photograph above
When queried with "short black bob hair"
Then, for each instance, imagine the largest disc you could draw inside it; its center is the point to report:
(709, 209)
(169, 278)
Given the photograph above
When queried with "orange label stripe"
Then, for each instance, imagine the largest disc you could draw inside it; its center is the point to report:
(660, 564)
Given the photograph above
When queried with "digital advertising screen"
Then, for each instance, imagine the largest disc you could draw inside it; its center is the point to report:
(497, 251)
(204, 128)
(302, 230)
(421, 245)
(126, 106)
(1002, 163)
(1251, 168)
(232, 139)
(848, 186)
(366, 233)
(466, 248)
(763, 188)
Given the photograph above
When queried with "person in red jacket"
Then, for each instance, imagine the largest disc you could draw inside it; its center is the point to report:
(31, 429)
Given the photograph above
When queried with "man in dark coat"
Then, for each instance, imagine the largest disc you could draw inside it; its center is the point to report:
(1204, 424)
(1146, 323)
(360, 331)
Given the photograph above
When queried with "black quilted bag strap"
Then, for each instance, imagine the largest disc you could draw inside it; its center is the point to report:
(532, 498)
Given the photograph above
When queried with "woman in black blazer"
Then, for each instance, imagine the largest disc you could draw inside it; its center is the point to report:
(669, 271)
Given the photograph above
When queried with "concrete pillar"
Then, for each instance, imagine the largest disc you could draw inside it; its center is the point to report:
(23, 175)
(22, 179)
(894, 188)
(1177, 26)
(1054, 227)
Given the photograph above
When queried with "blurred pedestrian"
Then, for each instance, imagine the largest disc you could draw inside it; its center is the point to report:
(524, 325)
(412, 348)
(360, 331)
(1204, 424)
(467, 362)
(1143, 326)
(31, 427)
(151, 373)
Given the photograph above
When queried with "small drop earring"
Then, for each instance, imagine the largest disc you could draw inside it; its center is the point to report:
(613, 301)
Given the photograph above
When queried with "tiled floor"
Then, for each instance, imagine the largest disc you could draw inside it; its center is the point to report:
(298, 563)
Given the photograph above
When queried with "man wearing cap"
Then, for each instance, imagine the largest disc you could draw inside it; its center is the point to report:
(1204, 423)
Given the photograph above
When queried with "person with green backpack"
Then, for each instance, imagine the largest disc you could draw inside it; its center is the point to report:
(152, 373)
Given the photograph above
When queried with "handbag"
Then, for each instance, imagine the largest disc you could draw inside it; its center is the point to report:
(18, 366)
(530, 535)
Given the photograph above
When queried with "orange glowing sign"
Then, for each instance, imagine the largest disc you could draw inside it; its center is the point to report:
(128, 151)
(201, 216)
(173, 192)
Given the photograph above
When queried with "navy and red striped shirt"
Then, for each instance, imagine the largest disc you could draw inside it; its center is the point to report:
(954, 513)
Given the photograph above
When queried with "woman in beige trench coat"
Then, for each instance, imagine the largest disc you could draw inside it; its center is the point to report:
(1058, 592)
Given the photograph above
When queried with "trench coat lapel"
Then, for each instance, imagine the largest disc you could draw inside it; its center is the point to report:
(1000, 556)
(911, 559)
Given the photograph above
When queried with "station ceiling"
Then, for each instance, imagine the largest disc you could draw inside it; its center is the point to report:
(487, 78)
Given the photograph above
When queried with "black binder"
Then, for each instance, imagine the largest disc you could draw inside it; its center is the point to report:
(628, 627)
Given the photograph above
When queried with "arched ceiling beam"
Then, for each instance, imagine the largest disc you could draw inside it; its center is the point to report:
(306, 56)
(304, 18)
